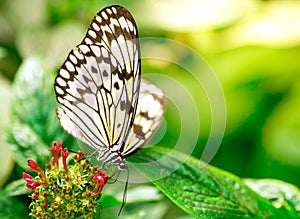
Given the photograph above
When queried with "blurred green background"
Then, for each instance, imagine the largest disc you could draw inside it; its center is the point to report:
(252, 46)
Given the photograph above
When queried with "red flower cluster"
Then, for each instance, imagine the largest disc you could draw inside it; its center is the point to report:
(34, 166)
(100, 177)
(56, 189)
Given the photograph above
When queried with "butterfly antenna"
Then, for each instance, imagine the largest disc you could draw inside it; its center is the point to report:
(70, 150)
(77, 153)
(124, 193)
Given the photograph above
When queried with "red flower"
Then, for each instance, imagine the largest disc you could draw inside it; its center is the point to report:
(78, 156)
(33, 166)
(101, 179)
(26, 176)
(64, 154)
(31, 184)
(55, 149)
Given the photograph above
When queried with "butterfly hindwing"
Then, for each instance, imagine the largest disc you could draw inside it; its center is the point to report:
(149, 114)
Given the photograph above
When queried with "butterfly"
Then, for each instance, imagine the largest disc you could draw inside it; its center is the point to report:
(103, 101)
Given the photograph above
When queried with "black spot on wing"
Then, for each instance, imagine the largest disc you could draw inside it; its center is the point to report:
(138, 130)
(145, 115)
(116, 85)
(94, 70)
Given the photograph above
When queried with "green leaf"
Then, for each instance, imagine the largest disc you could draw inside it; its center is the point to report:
(281, 194)
(139, 194)
(35, 125)
(26, 144)
(109, 201)
(202, 190)
(141, 202)
(33, 100)
(147, 210)
(16, 188)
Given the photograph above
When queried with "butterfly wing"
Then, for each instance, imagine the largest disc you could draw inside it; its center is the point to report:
(91, 90)
(98, 84)
(149, 114)
(115, 29)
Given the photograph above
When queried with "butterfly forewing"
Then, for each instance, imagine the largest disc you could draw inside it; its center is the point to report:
(91, 91)
(115, 29)
(83, 82)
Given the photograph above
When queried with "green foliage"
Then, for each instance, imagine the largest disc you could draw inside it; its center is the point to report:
(12, 208)
(15, 188)
(282, 195)
(207, 192)
(34, 124)
(33, 129)
(63, 10)
(199, 189)
(259, 73)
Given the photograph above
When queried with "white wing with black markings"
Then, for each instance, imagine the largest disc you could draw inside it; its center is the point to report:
(98, 89)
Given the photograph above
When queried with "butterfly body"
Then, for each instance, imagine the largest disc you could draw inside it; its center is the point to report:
(103, 101)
